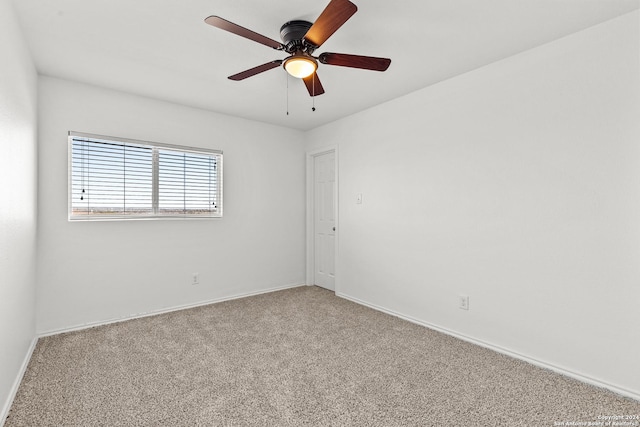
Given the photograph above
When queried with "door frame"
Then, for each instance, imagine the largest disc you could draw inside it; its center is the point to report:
(311, 155)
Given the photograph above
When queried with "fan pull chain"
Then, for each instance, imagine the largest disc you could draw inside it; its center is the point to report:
(313, 98)
(286, 76)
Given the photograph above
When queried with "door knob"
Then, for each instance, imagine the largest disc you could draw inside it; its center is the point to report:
(334, 229)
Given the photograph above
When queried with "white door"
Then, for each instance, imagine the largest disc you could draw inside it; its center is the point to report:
(324, 219)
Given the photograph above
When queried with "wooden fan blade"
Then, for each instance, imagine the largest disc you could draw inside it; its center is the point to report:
(332, 17)
(256, 70)
(223, 24)
(313, 85)
(355, 61)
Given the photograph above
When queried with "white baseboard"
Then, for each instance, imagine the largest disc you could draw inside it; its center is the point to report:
(16, 382)
(164, 310)
(563, 371)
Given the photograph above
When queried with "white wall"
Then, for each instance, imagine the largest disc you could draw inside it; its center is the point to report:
(517, 184)
(96, 271)
(17, 202)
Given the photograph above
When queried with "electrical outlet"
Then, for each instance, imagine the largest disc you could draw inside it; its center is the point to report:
(196, 279)
(463, 302)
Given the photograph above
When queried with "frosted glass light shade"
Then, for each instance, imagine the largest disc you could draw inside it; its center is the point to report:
(300, 66)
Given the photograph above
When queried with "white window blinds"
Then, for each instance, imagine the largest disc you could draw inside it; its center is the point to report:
(186, 182)
(110, 178)
(118, 178)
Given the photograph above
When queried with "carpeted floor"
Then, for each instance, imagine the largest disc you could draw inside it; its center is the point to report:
(296, 357)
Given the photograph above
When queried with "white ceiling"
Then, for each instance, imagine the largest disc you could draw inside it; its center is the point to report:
(163, 49)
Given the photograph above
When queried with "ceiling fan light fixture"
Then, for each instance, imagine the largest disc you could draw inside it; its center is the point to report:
(300, 66)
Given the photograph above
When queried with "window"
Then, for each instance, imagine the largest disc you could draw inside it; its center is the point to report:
(111, 178)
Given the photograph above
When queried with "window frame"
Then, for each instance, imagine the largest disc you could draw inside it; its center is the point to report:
(156, 146)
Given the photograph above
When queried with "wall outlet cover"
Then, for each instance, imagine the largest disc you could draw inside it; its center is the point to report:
(463, 302)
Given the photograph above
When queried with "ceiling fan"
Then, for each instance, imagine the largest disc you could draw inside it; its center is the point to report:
(300, 39)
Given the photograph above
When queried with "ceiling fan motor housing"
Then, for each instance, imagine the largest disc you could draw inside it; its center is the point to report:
(292, 34)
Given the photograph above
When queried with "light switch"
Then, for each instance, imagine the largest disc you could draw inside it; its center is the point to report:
(359, 199)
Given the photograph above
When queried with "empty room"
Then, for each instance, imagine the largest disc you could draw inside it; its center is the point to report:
(320, 212)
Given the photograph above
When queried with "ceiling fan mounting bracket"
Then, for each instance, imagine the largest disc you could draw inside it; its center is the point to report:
(292, 34)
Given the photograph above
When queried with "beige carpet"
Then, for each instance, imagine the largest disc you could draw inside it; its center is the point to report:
(291, 358)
